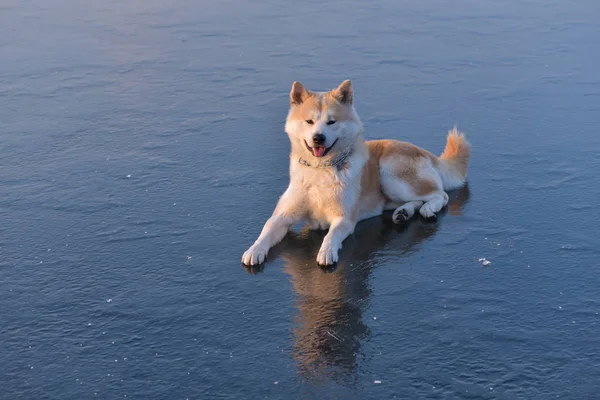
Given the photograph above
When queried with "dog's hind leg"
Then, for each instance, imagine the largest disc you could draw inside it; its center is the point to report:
(424, 194)
(434, 202)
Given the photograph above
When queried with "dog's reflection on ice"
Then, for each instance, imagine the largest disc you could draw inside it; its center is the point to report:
(329, 326)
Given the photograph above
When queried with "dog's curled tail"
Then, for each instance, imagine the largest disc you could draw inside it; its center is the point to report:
(454, 160)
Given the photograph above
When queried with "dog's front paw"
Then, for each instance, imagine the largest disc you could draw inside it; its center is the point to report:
(255, 255)
(327, 256)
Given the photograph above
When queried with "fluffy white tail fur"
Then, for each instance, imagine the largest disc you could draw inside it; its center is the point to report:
(454, 160)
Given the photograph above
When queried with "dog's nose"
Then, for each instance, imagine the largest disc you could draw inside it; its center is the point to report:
(319, 138)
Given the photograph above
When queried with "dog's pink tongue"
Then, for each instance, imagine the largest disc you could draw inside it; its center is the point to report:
(318, 151)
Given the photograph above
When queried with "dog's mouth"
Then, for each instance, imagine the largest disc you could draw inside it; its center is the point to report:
(320, 151)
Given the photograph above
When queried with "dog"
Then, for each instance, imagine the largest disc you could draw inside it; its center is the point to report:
(338, 179)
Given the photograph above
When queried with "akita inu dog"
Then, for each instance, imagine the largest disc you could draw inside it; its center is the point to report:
(338, 179)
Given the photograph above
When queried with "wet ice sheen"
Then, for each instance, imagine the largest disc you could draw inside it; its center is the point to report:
(167, 118)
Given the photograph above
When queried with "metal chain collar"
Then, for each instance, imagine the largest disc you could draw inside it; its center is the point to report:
(336, 162)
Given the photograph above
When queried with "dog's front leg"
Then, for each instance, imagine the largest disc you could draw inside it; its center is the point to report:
(338, 231)
(274, 230)
(287, 213)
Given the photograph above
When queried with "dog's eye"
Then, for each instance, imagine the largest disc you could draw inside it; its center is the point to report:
(310, 121)
(330, 122)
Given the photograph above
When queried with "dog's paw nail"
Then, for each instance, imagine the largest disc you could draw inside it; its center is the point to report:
(327, 257)
(427, 213)
(429, 216)
(254, 256)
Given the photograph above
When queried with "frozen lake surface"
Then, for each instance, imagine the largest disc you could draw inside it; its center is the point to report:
(142, 149)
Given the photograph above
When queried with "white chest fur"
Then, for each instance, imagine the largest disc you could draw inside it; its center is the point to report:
(328, 192)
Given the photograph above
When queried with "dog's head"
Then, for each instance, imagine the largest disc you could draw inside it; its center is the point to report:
(322, 124)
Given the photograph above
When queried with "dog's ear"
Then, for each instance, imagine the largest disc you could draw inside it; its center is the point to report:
(344, 93)
(298, 94)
